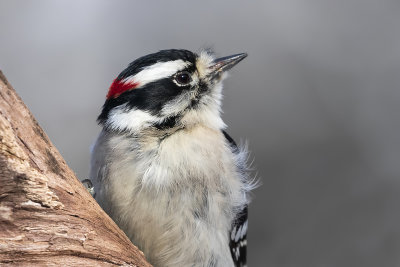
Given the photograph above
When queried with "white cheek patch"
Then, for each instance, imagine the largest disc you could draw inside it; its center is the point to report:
(133, 120)
(177, 105)
(156, 72)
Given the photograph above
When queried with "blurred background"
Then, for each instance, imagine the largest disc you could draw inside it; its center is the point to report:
(317, 99)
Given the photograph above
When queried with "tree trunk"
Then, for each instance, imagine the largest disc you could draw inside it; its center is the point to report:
(47, 217)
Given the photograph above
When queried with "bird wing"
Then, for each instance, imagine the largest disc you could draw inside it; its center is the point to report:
(99, 170)
(238, 239)
(238, 233)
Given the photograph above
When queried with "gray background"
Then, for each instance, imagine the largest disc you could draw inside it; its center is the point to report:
(317, 98)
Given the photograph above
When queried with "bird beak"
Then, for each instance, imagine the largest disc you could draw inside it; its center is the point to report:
(223, 64)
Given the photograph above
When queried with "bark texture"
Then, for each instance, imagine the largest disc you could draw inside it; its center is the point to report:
(46, 216)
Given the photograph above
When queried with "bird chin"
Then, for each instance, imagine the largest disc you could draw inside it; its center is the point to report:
(218, 78)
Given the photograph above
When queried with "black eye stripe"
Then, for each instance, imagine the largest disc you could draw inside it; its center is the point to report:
(154, 94)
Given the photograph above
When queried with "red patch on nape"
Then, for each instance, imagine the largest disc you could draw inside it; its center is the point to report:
(118, 87)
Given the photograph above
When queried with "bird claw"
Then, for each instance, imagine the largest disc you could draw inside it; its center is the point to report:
(89, 186)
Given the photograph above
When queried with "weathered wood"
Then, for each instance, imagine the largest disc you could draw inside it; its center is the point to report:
(46, 216)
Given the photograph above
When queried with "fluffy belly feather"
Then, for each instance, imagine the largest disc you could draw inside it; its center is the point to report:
(176, 196)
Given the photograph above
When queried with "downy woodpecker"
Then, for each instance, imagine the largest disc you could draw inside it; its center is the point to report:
(163, 167)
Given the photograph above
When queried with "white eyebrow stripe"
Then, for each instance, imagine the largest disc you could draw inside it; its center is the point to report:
(156, 71)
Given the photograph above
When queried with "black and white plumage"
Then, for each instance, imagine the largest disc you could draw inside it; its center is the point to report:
(164, 168)
(238, 232)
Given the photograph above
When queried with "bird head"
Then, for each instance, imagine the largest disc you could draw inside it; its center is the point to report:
(170, 88)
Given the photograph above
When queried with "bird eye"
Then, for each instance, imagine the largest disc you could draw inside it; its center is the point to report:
(183, 78)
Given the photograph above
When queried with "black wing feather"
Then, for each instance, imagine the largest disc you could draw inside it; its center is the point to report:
(231, 142)
(238, 239)
(238, 233)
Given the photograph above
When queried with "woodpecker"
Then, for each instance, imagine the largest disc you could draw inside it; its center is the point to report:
(163, 166)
